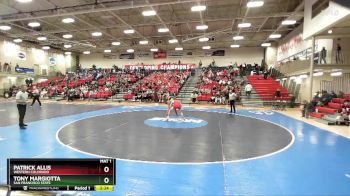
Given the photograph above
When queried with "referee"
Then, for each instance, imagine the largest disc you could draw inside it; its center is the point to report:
(21, 99)
(232, 97)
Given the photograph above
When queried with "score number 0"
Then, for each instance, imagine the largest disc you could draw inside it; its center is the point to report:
(106, 170)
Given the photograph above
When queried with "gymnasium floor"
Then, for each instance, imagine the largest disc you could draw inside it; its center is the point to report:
(256, 152)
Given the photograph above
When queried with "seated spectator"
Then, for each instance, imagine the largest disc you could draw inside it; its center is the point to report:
(346, 110)
(341, 94)
(333, 95)
(278, 94)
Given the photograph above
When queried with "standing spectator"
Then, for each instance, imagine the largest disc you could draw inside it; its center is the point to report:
(248, 90)
(305, 109)
(36, 96)
(323, 55)
(339, 55)
(266, 74)
(232, 97)
(21, 99)
(194, 97)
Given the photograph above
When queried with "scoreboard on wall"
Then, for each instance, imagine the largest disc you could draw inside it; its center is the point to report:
(61, 174)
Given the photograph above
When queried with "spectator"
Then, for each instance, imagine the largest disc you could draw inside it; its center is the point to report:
(278, 94)
(248, 90)
(323, 55)
(341, 94)
(346, 110)
(305, 109)
(266, 74)
(333, 95)
(194, 97)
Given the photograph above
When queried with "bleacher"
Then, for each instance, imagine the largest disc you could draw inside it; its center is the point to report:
(329, 114)
(266, 88)
(159, 82)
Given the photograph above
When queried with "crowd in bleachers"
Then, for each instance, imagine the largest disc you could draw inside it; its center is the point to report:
(215, 85)
(328, 103)
(90, 83)
(158, 86)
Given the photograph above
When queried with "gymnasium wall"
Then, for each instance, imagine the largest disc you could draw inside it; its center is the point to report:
(325, 19)
(239, 55)
(36, 58)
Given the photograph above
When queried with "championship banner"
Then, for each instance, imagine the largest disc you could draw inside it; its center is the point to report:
(218, 53)
(162, 67)
(159, 55)
(127, 56)
(143, 54)
(21, 56)
(175, 54)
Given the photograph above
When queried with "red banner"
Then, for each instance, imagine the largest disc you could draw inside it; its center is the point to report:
(162, 67)
(159, 55)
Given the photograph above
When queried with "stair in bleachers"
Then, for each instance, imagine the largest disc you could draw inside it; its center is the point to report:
(187, 89)
(266, 88)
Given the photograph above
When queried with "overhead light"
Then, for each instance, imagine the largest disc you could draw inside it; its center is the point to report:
(67, 46)
(284, 79)
(46, 47)
(206, 47)
(67, 53)
(115, 43)
(143, 42)
(303, 76)
(202, 27)
(235, 46)
(67, 36)
(163, 30)
(239, 37)
(68, 20)
(149, 13)
(179, 48)
(5, 27)
(96, 34)
(203, 39)
(172, 41)
(318, 74)
(293, 78)
(244, 25)
(34, 24)
(129, 31)
(130, 50)
(107, 51)
(255, 4)
(330, 31)
(266, 44)
(335, 74)
(86, 52)
(288, 22)
(198, 8)
(24, 1)
(17, 40)
(154, 50)
(275, 36)
(41, 38)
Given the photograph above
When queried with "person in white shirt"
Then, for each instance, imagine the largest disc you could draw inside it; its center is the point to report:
(248, 90)
(22, 99)
(232, 98)
(36, 96)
